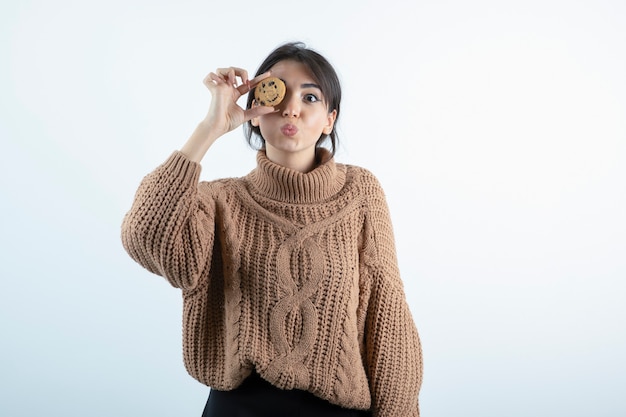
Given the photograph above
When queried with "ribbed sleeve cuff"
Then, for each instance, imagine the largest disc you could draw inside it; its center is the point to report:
(182, 167)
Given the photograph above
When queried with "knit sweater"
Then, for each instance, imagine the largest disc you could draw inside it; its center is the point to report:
(291, 274)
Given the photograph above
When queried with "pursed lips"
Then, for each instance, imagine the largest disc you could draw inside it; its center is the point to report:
(289, 129)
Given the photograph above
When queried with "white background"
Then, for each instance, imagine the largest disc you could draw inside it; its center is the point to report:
(496, 127)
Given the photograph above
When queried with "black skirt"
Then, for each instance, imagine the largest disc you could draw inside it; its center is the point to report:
(256, 397)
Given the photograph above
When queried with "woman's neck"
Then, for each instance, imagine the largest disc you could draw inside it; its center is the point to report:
(303, 161)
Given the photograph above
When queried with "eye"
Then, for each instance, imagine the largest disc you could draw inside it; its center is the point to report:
(311, 98)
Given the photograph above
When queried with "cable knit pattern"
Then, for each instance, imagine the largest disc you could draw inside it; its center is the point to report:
(292, 274)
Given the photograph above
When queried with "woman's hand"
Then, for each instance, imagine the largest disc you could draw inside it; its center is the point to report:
(226, 85)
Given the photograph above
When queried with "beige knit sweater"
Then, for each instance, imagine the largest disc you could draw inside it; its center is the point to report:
(292, 274)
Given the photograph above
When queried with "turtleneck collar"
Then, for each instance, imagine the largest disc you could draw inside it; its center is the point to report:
(284, 184)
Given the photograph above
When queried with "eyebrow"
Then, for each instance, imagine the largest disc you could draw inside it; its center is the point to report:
(311, 85)
(306, 85)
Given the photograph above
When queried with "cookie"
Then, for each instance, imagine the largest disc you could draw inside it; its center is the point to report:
(270, 91)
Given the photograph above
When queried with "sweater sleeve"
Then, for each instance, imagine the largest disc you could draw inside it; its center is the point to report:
(168, 230)
(393, 349)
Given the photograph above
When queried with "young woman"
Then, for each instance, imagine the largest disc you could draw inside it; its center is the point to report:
(293, 302)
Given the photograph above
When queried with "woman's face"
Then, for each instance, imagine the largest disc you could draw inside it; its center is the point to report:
(300, 119)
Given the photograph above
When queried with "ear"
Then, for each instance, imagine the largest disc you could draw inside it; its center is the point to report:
(332, 116)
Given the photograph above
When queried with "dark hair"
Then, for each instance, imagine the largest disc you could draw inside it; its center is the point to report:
(323, 73)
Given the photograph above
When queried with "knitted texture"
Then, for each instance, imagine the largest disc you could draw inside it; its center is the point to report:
(292, 274)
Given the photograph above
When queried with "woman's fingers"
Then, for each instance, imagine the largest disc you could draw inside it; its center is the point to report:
(249, 85)
(257, 111)
(213, 78)
(229, 77)
(231, 74)
(222, 84)
(259, 78)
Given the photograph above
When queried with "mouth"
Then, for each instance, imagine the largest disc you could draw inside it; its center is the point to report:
(289, 129)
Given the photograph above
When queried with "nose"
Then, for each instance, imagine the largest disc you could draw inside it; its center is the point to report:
(291, 106)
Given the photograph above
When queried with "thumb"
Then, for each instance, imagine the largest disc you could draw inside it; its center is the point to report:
(258, 111)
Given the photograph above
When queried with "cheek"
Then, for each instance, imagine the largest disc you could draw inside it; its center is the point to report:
(323, 121)
(267, 124)
(267, 120)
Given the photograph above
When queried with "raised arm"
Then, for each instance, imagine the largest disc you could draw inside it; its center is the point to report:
(169, 228)
(226, 85)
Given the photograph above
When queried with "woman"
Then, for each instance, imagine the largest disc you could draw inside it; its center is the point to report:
(293, 302)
